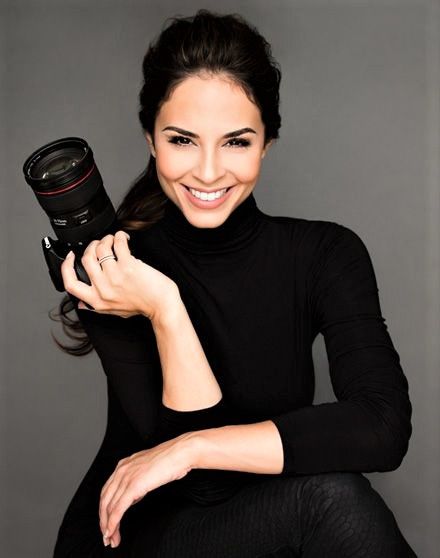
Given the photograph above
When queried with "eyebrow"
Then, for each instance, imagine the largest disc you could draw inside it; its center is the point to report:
(233, 134)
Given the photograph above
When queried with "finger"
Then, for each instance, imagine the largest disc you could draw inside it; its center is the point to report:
(114, 501)
(82, 306)
(116, 538)
(105, 248)
(119, 509)
(92, 267)
(107, 492)
(72, 284)
(115, 485)
(120, 246)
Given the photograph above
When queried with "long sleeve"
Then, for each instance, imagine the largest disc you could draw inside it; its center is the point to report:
(368, 427)
(128, 353)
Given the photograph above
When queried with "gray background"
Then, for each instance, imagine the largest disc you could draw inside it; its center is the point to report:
(359, 145)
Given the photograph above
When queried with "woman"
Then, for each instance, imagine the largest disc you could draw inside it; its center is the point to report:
(204, 319)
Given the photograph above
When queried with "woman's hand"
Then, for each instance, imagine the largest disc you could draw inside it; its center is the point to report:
(139, 474)
(125, 287)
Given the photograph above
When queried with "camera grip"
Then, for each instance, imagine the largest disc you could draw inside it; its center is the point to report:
(54, 259)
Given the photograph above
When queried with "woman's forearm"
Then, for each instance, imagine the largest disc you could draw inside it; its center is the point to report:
(188, 381)
(251, 448)
(189, 384)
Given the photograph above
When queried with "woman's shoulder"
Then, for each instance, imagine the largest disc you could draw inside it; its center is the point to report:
(317, 245)
(313, 232)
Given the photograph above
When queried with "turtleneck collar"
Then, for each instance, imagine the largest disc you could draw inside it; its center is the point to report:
(240, 228)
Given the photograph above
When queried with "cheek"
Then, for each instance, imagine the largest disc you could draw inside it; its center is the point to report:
(247, 167)
(171, 166)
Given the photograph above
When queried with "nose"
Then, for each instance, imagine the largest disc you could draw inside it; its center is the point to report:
(209, 168)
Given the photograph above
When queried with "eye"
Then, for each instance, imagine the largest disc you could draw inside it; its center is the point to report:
(235, 142)
(240, 142)
(176, 140)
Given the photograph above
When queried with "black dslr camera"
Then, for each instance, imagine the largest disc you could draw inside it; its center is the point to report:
(69, 187)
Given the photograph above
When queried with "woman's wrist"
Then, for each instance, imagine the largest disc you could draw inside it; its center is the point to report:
(188, 445)
(188, 380)
(171, 305)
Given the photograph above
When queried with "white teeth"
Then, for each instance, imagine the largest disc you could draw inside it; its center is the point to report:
(209, 197)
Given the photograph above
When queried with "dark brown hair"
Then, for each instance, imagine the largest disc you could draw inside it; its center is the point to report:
(207, 42)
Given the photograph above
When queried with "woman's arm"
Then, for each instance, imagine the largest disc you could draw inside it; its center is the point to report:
(188, 381)
(252, 448)
(369, 426)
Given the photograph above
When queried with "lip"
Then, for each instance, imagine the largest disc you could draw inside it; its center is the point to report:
(205, 204)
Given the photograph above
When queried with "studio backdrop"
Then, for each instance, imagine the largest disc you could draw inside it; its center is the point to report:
(359, 145)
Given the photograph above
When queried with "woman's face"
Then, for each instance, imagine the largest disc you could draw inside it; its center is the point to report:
(192, 150)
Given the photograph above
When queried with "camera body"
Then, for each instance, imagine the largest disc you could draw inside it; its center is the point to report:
(68, 186)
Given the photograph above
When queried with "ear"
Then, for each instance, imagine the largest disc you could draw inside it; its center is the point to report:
(150, 143)
(265, 149)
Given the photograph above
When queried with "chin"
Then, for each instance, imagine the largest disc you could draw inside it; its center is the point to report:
(203, 213)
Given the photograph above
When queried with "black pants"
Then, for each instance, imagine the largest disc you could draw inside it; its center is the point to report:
(330, 515)
(226, 514)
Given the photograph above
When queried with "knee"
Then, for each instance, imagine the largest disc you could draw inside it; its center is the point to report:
(339, 492)
(339, 486)
(344, 510)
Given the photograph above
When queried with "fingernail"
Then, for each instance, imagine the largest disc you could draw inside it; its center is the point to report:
(127, 235)
(105, 541)
(70, 254)
(112, 544)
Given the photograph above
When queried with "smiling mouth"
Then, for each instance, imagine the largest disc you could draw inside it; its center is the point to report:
(207, 192)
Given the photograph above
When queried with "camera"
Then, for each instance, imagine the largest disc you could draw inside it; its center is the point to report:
(69, 187)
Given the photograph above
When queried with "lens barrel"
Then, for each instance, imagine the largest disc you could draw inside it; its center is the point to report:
(68, 186)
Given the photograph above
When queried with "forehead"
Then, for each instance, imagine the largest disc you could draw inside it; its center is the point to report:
(209, 99)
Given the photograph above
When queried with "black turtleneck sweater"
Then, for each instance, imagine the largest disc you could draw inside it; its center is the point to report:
(258, 290)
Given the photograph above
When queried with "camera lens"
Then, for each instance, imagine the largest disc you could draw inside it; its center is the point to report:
(55, 165)
(68, 186)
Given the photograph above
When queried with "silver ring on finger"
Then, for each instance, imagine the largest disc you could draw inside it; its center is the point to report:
(109, 257)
